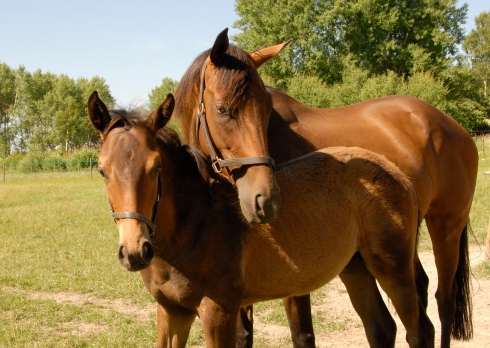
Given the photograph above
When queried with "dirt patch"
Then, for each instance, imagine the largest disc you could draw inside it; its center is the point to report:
(337, 307)
(143, 313)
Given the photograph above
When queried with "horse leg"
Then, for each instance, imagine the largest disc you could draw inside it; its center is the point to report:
(396, 275)
(450, 245)
(245, 327)
(298, 310)
(422, 281)
(364, 294)
(173, 325)
(219, 323)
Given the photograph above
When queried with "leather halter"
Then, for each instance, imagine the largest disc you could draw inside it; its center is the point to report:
(219, 163)
(132, 215)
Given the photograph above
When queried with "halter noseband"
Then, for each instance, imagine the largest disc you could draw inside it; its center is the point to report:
(219, 163)
(131, 215)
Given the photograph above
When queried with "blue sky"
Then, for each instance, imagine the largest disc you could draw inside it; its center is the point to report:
(132, 44)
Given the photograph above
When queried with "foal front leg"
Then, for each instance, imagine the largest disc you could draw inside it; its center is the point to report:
(173, 325)
(219, 323)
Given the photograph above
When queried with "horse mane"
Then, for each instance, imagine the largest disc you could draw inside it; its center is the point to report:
(233, 73)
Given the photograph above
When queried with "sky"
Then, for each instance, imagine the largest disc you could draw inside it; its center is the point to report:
(132, 44)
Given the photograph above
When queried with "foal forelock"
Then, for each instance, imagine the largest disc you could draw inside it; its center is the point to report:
(126, 119)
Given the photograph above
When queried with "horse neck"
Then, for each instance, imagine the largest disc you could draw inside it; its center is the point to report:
(193, 210)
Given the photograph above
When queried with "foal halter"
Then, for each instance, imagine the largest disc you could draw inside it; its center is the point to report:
(219, 163)
(132, 215)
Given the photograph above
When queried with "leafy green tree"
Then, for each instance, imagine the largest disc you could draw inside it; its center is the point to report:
(477, 46)
(7, 100)
(159, 93)
(99, 84)
(380, 35)
(311, 24)
(29, 111)
(403, 36)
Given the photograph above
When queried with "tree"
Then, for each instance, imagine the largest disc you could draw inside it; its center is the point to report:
(159, 93)
(402, 36)
(7, 99)
(477, 46)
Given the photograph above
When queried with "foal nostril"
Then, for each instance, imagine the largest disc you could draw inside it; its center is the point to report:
(147, 252)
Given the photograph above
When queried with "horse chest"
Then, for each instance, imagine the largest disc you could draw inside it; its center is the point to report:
(170, 286)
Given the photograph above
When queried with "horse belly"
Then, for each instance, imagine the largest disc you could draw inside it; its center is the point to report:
(293, 266)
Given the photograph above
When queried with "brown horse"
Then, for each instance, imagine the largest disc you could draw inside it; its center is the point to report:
(229, 98)
(433, 150)
(198, 256)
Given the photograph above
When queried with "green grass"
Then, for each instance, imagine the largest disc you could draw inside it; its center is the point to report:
(58, 243)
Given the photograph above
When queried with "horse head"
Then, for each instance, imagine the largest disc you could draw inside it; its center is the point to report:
(225, 110)
(130, 164)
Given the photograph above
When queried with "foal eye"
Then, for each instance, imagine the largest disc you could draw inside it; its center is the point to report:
(101, 172)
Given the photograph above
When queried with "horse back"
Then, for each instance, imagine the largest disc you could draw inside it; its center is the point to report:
(430, 147)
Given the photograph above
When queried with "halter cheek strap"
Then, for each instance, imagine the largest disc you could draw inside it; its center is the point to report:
(219, 163)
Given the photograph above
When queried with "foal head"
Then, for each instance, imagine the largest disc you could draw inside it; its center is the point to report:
(130, 164)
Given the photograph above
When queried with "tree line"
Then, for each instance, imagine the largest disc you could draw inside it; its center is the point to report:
(43, 111)
(342, 52)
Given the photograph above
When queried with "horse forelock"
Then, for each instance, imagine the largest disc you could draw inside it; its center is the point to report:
(233, 74)
(126, 119)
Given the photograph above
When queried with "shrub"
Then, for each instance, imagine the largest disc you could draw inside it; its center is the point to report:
(81, 158)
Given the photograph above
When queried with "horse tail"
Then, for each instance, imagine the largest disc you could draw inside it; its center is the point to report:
(462, 328)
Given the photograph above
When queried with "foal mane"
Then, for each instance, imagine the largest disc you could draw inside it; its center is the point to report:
(233, 73)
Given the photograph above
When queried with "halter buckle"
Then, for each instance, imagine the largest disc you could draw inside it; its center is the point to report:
(217, 166)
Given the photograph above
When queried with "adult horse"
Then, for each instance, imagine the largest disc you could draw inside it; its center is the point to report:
(198, 256)
(435, 152)
(228, 88)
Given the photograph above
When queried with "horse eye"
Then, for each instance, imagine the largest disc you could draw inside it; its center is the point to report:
(223, 110)
(101, 172)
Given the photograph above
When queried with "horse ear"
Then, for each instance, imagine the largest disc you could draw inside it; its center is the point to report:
(263, 55)
(219, 48)
(161, 115)
(98, 113)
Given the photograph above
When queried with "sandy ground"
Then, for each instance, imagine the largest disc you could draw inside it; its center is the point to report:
(337, 306)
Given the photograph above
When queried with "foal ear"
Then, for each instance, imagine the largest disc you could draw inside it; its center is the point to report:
(98, 113)
(263, 55)
(219, 48)
(161, 115)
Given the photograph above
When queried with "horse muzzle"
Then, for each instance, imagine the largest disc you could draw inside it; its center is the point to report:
(135, 248)
(136, 261)
(260, 199)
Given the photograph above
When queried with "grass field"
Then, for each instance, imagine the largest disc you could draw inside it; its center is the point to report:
(62, 286)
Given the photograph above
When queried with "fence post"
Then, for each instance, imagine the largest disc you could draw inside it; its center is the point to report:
(90, 168)
(3, 171)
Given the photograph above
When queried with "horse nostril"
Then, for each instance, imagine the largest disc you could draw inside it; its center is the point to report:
(123, 256)
(148, 252)
(266, 208)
